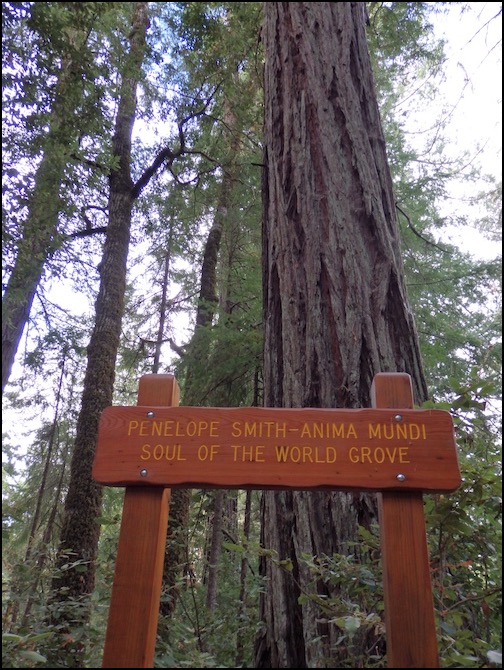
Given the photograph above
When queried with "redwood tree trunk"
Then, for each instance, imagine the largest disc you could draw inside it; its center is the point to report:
(335, 305)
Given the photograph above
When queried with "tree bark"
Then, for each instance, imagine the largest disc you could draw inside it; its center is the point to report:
(80, 531)
(335, 304)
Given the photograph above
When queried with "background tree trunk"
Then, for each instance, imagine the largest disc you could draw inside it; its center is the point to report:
(80, 531)
(197, 357)
(335, 304)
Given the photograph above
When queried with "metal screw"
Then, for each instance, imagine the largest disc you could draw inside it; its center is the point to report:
(151, 415)
(143, 473)
(398, 417)
(400, 477)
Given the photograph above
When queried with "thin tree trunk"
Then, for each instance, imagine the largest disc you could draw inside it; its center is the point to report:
(40, 498)
(176, 556)
(242, 607)
(163, 307)
(216, 526)
(80, 531)
(46, 540)
(335, 304)
(40, 231)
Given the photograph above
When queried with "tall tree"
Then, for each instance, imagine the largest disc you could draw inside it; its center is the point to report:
(67, 29)
(80, 531)
(335, 305)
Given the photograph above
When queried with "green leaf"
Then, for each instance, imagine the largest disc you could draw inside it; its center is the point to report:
(33, 656)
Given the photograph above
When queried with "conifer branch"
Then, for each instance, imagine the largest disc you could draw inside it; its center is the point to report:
(419, 235)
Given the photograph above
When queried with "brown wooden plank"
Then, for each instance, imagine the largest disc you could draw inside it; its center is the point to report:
(409, 608)
(134, 606)
(251, 447)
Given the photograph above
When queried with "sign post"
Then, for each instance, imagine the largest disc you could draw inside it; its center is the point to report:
(134, 605)
(409, 606)
(391, 448)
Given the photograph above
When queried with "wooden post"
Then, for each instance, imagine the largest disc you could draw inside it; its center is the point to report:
(136, 592)
(409, 608)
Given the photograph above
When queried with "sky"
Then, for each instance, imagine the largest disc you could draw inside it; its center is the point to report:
(472, 89)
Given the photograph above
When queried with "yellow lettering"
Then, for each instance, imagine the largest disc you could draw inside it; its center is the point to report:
(145, 455)
(403, 455)
(132, 425)
(259, 454)
(331, 454)
(366, 454)
(307, 454)
(379, 455)
(282, 453)
(250, 429)
(202, 426)
(353, 454)
(253, 454)
(295, 454)
(391, 454)
(207, 453)
(397, 431)
(247, 453)
(328, 430)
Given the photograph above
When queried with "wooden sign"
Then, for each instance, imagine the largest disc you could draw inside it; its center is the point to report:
(392, 449)
(364, 449)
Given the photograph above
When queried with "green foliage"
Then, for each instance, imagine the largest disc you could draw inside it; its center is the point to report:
(20, 651)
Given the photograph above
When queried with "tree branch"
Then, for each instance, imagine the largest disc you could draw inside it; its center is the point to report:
(419, 235)
(166, 156)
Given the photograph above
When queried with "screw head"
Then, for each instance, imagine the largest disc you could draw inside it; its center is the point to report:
(400, 477)
(143, 473)
(151, 414)
(398, 417)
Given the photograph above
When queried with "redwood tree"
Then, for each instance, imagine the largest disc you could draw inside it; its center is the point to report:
(335, 305)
